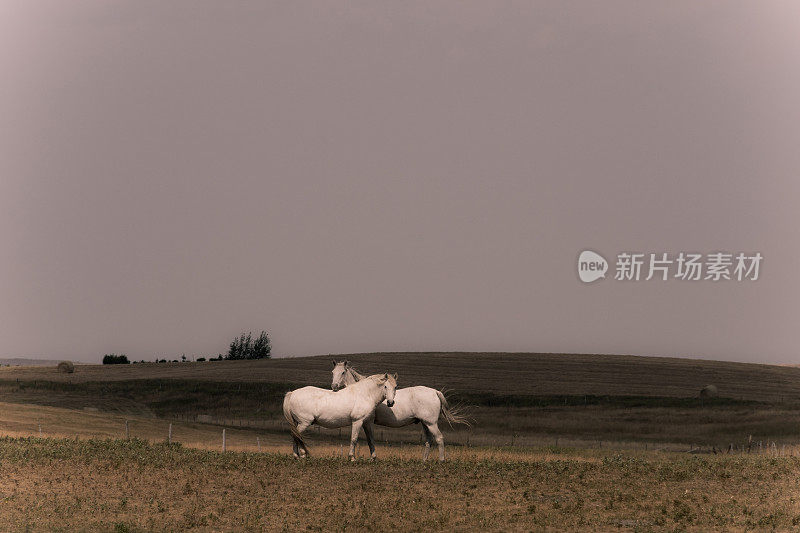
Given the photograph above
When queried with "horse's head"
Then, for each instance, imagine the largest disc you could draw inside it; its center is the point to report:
(389, 384)
(339, 371)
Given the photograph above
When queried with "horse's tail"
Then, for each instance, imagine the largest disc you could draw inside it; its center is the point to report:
(455, 414)
(287, 414)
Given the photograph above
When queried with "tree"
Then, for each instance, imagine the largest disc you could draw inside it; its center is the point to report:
(262, 348)
(114, 359)
(244, 347)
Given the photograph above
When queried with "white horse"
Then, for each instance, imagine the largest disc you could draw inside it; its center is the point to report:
(354, 405)
(412, 405)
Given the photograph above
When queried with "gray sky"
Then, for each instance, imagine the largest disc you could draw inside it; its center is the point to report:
(370, 176)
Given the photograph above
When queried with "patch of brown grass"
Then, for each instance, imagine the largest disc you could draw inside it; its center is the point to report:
(48, 484)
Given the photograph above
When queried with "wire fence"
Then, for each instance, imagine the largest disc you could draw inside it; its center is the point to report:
(242, 434)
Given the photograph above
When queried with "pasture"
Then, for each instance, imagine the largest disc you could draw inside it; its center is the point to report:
(514, 399)
(558, 442)
(117, 485)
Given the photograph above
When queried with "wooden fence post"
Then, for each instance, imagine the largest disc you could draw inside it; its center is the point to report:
(223, 439)
(169, 435)
(127, 430)
(258, 443)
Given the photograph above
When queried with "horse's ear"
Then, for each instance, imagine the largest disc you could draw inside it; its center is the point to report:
(386, 376)
(334, 362)
(395, 377)
(347, 363)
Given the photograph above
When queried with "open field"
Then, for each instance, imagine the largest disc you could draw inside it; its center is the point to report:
(18, 420)
(514, 399)
(64, 485)
(558, 442)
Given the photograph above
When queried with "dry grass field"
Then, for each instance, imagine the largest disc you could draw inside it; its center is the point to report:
(20, 420)
(68, 485)
(514, 399)
(559, 442)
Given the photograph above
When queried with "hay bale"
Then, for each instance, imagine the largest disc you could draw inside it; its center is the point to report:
(66, 367)
(709, 391)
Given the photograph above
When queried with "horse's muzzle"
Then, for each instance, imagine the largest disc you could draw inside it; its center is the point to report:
(390, 404)
(335, 388)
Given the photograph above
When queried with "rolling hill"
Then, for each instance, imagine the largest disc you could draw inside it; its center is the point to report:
(529, 374)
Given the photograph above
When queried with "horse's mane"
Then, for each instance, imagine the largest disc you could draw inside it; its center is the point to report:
(354, 374)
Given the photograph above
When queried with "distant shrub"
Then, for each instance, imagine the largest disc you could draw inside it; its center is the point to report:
(66, 367)
(114, 359)
(201, 359)
(245, 347)
(709, 391)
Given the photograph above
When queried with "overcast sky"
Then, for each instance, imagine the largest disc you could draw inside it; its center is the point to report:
(373, 176)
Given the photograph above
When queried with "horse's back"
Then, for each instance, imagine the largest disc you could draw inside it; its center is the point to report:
(410, 404)
(305, 400)
(420, 396)
(310, 391)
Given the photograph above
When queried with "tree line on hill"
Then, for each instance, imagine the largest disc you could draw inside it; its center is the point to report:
(242, 347)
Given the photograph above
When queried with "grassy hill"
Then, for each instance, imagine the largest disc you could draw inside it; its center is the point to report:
(514, 398)
(559, 442)
(498, 373)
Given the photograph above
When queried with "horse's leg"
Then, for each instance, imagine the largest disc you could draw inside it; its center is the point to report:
(437, 435)
(354, 437)
(301, 427)
(370, 439)
(428, 439)
(295, 445)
